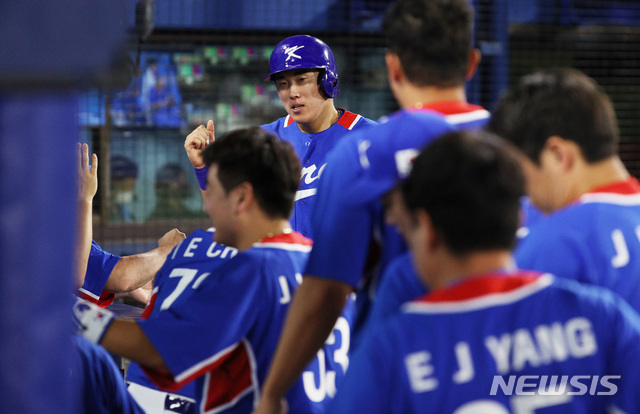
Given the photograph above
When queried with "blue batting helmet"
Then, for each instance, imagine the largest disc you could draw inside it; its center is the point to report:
(306, 52)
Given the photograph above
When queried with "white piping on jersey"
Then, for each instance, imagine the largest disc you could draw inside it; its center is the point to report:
(286, 121)
(467, 116)
(485, 301)
(300, 194)
(253, 387)
(86, 292)
(611, 198)
(355, 121)
(284, 246)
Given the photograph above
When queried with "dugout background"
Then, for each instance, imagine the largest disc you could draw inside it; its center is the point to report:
(190, 61)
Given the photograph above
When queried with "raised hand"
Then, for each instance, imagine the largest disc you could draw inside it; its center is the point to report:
(197, 141)
(87, 175)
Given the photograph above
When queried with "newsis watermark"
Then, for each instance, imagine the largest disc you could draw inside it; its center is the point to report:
(554, 385)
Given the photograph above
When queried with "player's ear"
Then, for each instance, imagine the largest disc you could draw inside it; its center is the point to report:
(395, 72)
(428, 236)
(564, 153)
(475, 57)
(243, 197)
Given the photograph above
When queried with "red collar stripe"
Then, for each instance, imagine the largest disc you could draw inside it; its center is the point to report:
(288, 121)
(480, 292)
(348, 119)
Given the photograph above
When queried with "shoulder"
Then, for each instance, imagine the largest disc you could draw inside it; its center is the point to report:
(276, 125)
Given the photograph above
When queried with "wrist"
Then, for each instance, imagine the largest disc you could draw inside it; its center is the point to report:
(201, 175)
(91, 320)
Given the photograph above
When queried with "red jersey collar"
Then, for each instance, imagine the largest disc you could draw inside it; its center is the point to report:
(287, 238)
(477, 286)
(347, 119)
(628, 186)
(449, 107)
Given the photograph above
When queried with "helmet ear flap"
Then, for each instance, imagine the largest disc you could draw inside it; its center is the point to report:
(330, 84)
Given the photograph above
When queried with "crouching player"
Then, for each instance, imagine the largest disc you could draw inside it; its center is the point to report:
(488, 337)
(224, 335)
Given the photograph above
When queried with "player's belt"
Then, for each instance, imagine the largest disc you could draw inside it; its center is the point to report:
(154, 401)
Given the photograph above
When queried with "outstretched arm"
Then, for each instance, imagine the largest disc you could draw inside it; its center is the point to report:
(127, 339)
(194, 144)
(118, 336)
(318, 300)
(134, 271)
(87, 182)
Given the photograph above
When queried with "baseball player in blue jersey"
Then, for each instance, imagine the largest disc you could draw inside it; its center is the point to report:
(565, 126)
(224, 334)
(429, 58)
(489, 337)
(305, 74)
(174, 283)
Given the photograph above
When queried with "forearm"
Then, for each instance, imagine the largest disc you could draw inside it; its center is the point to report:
(317, 300)
(84, 236)
(134, 271)
(127, 339)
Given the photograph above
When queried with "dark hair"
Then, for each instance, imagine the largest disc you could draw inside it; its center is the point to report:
(270, 165)
(470, 184)
(562, 102)
(432, 38)
(123, 167)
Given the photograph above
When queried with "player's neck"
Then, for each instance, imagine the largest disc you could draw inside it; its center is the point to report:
(598, 174)
(327, 117)
(413, 96)
(262, 228)
(456, 268)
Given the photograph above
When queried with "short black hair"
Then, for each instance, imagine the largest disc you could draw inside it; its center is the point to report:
(255, 156)
(470, 184)
(432, 38)
(562, 102)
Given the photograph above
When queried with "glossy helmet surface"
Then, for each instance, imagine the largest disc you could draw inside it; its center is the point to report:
(306, 52)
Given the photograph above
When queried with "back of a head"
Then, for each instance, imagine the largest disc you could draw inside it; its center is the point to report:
(255, 156)
(562, 102)
(470, 184)
(432, 38)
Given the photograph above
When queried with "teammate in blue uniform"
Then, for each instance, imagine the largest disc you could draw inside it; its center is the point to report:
(224, 333)
(174, 283)
(429, 58)
(486, 328)
(304, 71)
(103, 391)
(566, 128)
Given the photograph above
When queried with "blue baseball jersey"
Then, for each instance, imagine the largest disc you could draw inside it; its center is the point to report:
(595, 240)
(225, 334)
(400, 282)
(312, 149)
(519, 342)
(359, 171)
(99, 268)
(102, 388)
(174, 283)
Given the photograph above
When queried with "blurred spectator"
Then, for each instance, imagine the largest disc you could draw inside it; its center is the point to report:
(124, 173)
(172, 189)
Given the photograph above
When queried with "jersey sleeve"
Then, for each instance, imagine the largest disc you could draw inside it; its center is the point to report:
(194, 336)
(341, 233)
(99, 268)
